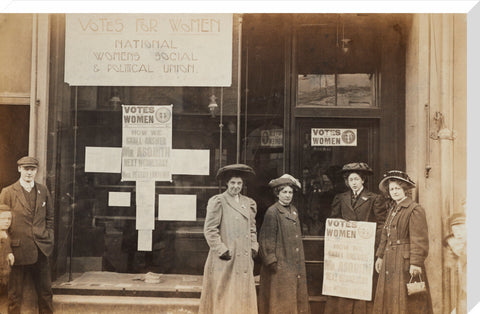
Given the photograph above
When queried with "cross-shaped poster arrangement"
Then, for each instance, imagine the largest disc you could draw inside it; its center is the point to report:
(146, 156)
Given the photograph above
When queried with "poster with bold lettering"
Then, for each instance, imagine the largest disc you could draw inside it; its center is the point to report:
(271, 138)
(349, 259)
(175, 49)
(333, 137)
(146, 143)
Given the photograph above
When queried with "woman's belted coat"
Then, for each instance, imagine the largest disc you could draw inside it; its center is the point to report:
(229, 285)
(283, 291)
(404, 242)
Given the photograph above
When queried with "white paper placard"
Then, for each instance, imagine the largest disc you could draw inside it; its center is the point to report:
(144, 240)
(103, 159)
(119, 199)
(146, 143)
(177, 207)
(191, 161)
(349, 258)
(175, 49)
(145, 199)
(333, 137)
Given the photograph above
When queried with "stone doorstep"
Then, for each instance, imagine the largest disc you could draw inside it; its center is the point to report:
(130, 285)
(78, 304)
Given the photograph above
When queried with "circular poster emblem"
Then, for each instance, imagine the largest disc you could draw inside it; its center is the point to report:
(163, 115)
(348, 137)
(364, 233)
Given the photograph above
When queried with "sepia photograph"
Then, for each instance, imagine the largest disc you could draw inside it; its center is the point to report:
(247, 159)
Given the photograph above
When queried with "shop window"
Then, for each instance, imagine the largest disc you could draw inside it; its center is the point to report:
(97, 122)
(341, 90)
(337, 65)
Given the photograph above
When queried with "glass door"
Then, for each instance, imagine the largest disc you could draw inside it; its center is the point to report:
(324, 146)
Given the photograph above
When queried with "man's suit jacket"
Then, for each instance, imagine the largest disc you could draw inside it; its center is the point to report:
(369, 207)
(31, 227)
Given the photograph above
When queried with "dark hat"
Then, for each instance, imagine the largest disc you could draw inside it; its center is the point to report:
(360, 167)
(456, 219)
(28, 161)
(398, 175)
(237, 169)
(285, 179)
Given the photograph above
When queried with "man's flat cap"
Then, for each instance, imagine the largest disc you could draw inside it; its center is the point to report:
(28, 161)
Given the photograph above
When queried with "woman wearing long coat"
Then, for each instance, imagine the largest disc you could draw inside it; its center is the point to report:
(357, 204)
(402, 251)
(230, 231)
(283, 282)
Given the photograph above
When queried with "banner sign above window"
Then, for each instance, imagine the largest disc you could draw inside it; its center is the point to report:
(148, 49)
(334, 137)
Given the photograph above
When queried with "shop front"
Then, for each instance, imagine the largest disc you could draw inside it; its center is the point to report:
(308, 94)
(284, 93)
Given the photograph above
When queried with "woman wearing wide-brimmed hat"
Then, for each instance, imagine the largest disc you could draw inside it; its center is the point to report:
(357, 204)
(230, 231)
(283, 282)
(402, 250)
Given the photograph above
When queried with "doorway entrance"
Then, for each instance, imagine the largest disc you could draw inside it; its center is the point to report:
(14, 130)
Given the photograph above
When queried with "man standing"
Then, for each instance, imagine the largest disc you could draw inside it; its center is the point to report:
(31, 236)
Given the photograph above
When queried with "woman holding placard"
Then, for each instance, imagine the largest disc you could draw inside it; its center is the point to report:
(357, 204)
(402, 284)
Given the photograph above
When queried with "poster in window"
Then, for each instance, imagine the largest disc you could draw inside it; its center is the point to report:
(146, 143)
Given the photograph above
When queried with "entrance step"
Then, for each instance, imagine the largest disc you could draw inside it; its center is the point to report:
(77, 304)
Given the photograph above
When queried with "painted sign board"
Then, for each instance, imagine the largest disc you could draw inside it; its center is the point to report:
(149, 49)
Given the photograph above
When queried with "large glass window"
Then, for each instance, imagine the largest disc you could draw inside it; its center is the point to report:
(336, 65)
(342, 90)
(105, 236)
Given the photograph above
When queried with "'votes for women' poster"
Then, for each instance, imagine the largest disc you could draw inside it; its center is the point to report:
(146, 143)
(349, 259)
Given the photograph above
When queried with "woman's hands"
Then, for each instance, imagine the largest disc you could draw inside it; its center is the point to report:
(11, 259)
(415, 270)
(378, 264)
(273, 267)
(226, 256)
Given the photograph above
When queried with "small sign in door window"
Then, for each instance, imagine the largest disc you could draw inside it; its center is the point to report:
(333, 137)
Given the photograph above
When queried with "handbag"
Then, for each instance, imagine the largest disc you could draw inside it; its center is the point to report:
(416, 287)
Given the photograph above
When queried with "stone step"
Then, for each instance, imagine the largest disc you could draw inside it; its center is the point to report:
(77, 304)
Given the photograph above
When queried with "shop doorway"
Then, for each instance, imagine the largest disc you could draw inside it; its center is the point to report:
(321, 152)
(14, 130)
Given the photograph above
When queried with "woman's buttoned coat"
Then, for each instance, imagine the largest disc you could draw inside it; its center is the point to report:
(229, 285)
(283, 291)
(404, 242)
(368, 207)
